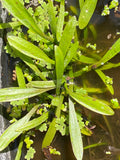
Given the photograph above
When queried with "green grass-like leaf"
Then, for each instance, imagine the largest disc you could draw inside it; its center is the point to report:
(113, 51)
(86, 13)
(91, 103)
(67, 35)
(28, 49)
(52, 129)
(75, 134)
(20, 76)
(16, 93)
(71, 53)
(60, 21)
(59, 65)
(10, 133)
(41, 84)
(33, 123)
(104, 79)
(52, 17)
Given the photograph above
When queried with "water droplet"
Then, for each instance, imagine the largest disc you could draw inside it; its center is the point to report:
(102, 63)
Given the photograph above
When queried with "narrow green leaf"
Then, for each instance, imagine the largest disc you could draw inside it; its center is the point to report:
(60, 21)
(72, 51)
(28, 49)
(109, 65)
(81, 3)
(91, 103)
(17, 9)
(19, 150)
(93, 30)
(52, 17)
(30, 63)
(41, 84)
(10, 133)
(87, 60)
(33, 123)
(86, 13)
(9, 25)
(16, 93)
(95, 145)
(75, 134)
(59, 66)
(104, 79)
(20, 76)
(67, 35)
(113, 51)
(52, 129)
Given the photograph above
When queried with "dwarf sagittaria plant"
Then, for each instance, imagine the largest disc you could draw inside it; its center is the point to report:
(44, 37)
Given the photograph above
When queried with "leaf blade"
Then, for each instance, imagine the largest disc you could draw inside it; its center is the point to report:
(41, 84)
(59, 66)
(60, 22)
(10, 133)
(72, 51)
(91, 103)
(75, 134)
(16, 93)
(67, 35)
(28, 49)
(52, 17)
(104, 78)
(113, 51)
(52, 129)
(86, 12)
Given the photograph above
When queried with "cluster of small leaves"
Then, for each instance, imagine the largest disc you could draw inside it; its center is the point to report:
(28, 141)
(113, 4)
(54, 151)
(93, 46)
(30, 153)
(61, 126)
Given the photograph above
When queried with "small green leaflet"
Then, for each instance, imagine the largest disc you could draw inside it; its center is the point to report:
(9, 25)
(30, 153)
(75, 134)
(86, 12)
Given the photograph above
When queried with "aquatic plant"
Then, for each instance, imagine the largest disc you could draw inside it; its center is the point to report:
(48, 45)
